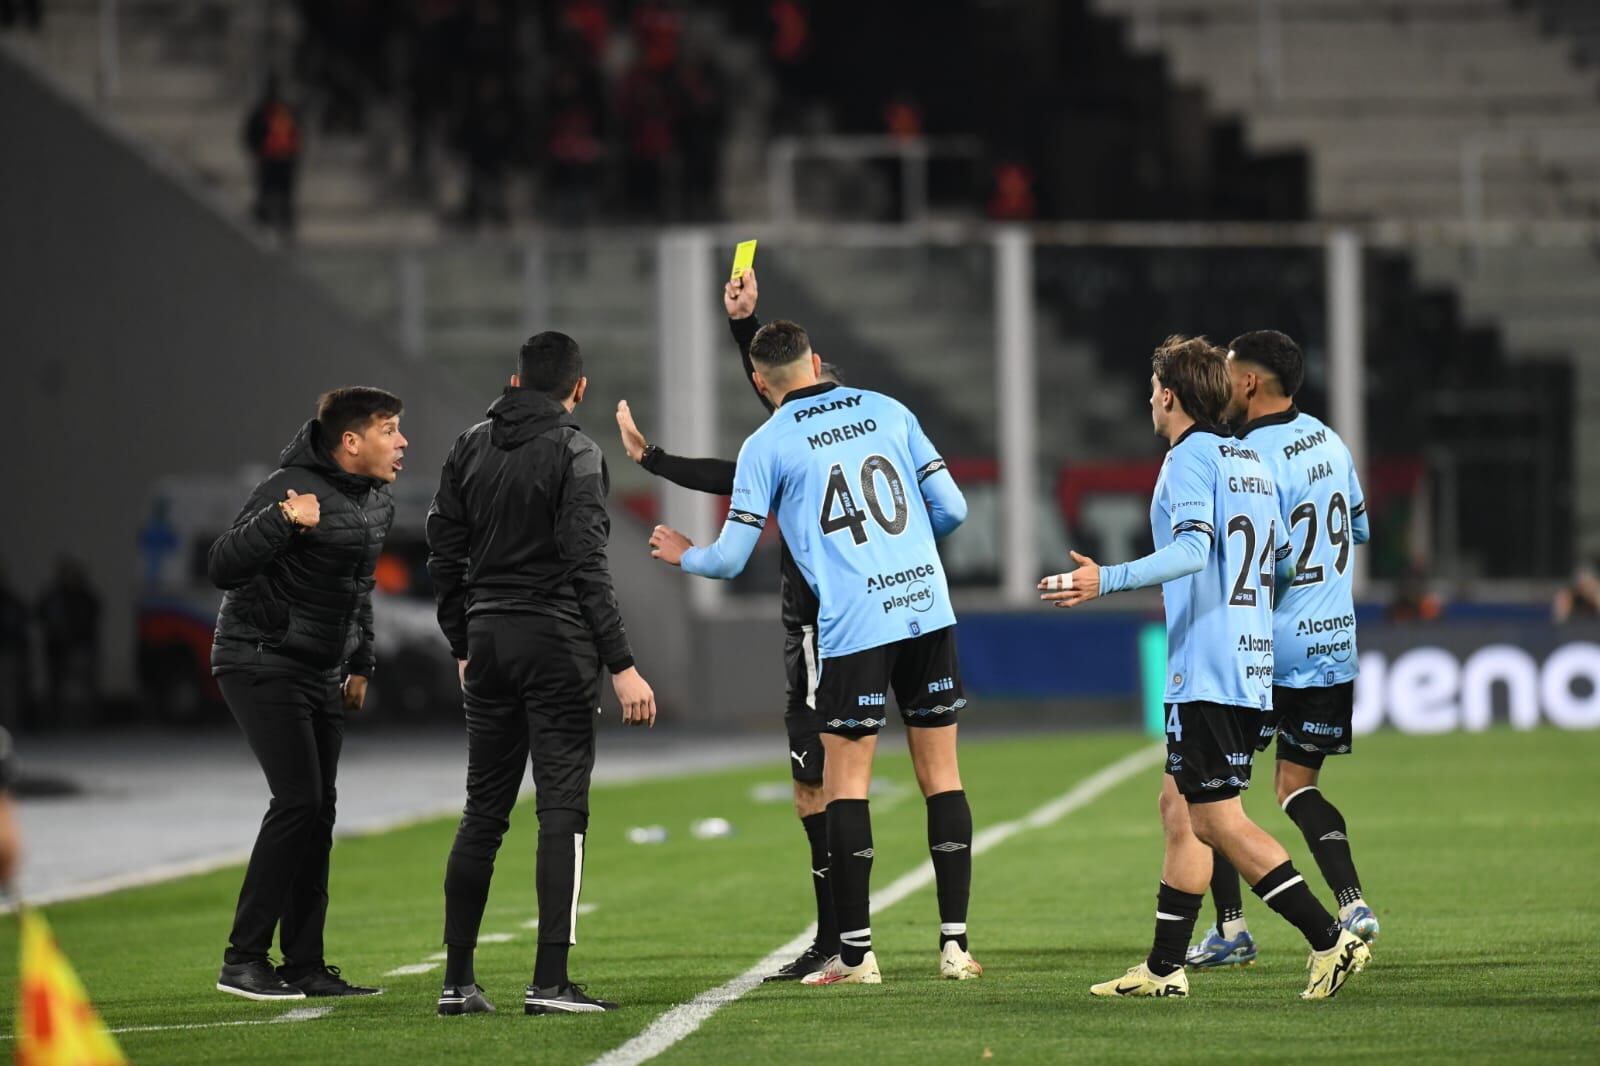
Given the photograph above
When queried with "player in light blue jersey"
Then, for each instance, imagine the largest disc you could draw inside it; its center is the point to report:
(1314, 631)
(860, 494)
(1220, 547)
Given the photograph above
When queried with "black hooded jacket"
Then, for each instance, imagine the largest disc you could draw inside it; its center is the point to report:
(519, 525)
(301, 600)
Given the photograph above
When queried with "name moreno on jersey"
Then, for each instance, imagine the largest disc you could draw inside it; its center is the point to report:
(861, 494)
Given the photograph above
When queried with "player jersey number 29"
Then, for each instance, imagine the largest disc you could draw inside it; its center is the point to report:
(1244, 595)
(839, 508)
(1338, 535)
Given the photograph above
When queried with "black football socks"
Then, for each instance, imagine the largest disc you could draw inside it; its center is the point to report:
(1323, 827)
(1176, 912)
(850, 862)
(816, 827)
(950, 846)
(1286, 892)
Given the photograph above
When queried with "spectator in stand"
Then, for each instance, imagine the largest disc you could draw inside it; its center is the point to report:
(1013, 199)
(1413, 601)
(701, 98)
(16, 659)
(69, 616)
(789, 48)
(433, 38)
(272, 136)
(649, 123)
(489, 137)
(572, 141)
(587, 22)
(1579, 601)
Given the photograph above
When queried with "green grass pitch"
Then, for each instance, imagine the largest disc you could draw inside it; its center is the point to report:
(1481, 854)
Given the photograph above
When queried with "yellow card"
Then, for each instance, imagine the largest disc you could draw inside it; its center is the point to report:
(744, 257)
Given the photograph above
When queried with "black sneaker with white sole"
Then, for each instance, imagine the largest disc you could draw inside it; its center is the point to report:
(465, 999)
(255, 980)
(565, 999)
(810, 961)
(327, 981)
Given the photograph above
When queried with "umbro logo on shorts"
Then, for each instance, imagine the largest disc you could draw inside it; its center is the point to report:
(864, 853)
(1335, 835)
(949, 845)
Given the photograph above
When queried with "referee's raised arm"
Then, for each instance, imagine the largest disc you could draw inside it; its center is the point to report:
(517, 540)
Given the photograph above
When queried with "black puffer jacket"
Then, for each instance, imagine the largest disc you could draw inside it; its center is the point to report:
(301, 600)
(519, 526)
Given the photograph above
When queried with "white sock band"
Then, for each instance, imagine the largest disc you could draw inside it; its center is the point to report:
(1295, 880)
(1290, 797)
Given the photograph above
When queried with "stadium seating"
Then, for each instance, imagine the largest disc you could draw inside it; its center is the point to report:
(1398, 102)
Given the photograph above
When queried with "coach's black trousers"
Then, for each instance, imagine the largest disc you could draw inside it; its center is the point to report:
(295, 726)
(533, 686)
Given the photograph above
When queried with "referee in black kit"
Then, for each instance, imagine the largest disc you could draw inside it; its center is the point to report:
(517, 551)
(292, 653)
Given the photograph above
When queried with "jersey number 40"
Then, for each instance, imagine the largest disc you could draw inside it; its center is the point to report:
(839, 508)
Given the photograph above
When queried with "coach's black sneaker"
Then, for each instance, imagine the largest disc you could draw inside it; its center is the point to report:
(466, 999)
(566, 999)
(255, 980)
(810, 961)
(326, 981)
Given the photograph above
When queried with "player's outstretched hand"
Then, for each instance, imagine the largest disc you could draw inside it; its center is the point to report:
(633, 441)
(739, 295)
(668, 545)
(636, 696)
(1078, 586)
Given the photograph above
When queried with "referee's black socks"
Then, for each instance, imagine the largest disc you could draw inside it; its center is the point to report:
(950, 846)
(1323, 827)
(850, 862)
(1176, 912)
(1286, 892)
(816, 827)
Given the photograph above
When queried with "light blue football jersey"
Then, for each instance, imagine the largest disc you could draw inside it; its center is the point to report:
(1216, 495)
(1321, 504)
(860, 493)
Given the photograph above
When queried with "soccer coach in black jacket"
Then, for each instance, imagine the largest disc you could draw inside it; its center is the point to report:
(292, 654)
(517, 541)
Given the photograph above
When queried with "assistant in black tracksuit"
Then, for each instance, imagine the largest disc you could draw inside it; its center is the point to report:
(296, 620)
(517, 540)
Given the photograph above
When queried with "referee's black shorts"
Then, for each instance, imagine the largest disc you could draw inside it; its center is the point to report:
(800, 710)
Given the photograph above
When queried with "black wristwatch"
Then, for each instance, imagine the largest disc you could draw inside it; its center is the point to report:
(648, 456)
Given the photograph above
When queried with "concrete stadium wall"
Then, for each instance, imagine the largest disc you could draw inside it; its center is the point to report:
(144, 335)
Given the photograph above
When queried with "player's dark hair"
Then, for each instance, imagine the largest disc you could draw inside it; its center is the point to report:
(779, 344)
(1197, 373)
(550, 363)
(351, 410)
(830, 372)
(1275, 353)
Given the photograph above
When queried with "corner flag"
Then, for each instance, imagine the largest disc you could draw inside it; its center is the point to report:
(56, 1023)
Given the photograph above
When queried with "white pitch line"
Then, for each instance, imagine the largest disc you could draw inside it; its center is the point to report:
(583, 908)
(681, 1021)
(412, 969)
(299, 1014)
